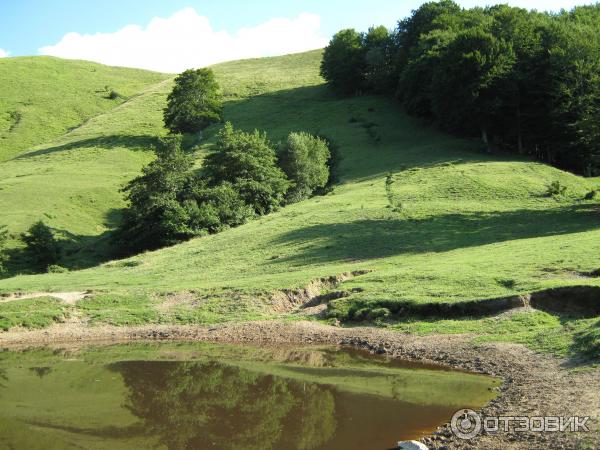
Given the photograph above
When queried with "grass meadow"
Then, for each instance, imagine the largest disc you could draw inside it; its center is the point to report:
(432, 217)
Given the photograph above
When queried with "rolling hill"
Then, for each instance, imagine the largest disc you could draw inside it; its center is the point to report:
(45, 97)
(424, 217)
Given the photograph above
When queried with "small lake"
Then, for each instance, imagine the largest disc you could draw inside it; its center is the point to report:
(209, 396)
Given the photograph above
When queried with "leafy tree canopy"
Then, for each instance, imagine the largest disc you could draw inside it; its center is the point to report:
(249, 163)
(304, 159)
(195, 102)
(344, 61)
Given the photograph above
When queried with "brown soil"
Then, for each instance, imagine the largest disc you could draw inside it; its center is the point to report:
(312, 294)
(68, 297)
(534, 384)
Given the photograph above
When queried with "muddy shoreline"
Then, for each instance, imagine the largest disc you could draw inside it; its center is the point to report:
(533, 384)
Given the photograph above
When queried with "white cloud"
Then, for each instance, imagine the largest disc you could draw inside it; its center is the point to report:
(186, 40)
(3, 53)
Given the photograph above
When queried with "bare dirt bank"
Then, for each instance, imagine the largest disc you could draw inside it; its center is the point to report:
(534, 385)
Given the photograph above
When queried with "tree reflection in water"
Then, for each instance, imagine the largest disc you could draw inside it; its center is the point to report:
(196, 405)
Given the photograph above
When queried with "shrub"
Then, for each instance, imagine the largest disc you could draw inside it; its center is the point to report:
(217, 208)
(55, 268)
(41, 245)
(333, 165)
(379, 314)
(195, 102)
(555, 189)
(113, 95)
(248, 162)
(394, 201)
(304, 159)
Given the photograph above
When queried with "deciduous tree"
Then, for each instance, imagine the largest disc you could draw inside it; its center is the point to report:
(195, 102)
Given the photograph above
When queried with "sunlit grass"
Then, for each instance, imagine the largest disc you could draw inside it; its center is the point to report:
(466, 224)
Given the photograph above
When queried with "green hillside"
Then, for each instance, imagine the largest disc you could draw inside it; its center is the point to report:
(73, 182)
(454, 224)
(44, 97)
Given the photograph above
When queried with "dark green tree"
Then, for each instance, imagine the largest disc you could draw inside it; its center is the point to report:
(195, 102)
(522, 95)
(170, 202)
(249, 163)
(304, 160)
(467, 85)
(421, 40)
(381, 71)
(41, 245)
(156, 215)
(416, 78)
(573, 84)
(214, 209)
(422, 21)
(343, 64)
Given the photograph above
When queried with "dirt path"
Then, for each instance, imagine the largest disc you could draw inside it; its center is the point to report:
(534, 385)
(68, 297)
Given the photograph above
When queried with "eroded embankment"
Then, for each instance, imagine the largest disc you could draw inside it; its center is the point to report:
(583, 301)
(314, 293)
(314, 298)
(575, 301)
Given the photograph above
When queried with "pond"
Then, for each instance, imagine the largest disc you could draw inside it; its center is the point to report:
(209, 396)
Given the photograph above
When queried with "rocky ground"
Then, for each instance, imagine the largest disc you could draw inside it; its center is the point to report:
(534, 384)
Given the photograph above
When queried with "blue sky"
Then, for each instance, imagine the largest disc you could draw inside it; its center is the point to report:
(26, 26)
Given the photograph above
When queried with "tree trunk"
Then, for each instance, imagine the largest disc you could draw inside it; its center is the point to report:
(484, 138)
(519, 133)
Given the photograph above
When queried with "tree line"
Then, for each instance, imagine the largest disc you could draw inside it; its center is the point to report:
(523, 81)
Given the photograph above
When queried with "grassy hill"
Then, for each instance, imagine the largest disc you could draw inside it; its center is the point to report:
(73, 182)
(433, 218)
(45, 97)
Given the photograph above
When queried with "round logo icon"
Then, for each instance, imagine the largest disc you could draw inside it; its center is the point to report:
(465, 424)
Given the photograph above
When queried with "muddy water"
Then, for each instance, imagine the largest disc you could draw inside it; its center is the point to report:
(203, 396)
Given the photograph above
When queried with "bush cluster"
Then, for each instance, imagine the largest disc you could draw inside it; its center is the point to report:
(173, 201)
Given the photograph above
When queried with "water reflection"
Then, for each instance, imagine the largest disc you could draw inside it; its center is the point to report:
(209, 405)
(204, 396)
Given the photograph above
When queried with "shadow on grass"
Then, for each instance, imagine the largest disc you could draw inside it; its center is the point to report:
(132, 142)
(374, 135)
(76, 251)
(587, 342)
(369, 239)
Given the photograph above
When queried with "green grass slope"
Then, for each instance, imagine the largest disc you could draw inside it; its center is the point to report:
(455, 223)
(73, 182)
(44, 97)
